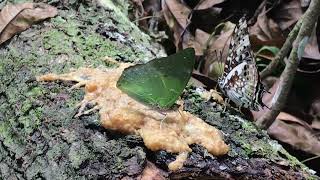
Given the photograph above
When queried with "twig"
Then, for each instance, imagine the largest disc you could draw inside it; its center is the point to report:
(312, 158)
(309, 20)
(257, 12)
(283, 51)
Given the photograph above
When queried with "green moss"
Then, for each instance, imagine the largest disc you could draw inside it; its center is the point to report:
(140, 40)
(81, 48)
(26, 106)
(31, 120)
(78, 154)
(11, 140)
(4, 133)
(35, 92)
(56, 151)
(245, 139)
(37, 167)
(56, 42)
(255, 146)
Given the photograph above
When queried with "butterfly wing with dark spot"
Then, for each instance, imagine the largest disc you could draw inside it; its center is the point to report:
(240, 81)
(239, 47)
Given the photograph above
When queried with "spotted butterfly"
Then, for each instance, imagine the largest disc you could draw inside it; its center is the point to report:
(240, 81)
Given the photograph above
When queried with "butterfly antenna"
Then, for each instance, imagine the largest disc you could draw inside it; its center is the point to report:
(216, 53)
(216, 87)
(220, 62)
(224, 47)
(264, 105)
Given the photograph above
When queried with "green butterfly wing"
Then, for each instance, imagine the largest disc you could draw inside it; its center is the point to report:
(159, 82)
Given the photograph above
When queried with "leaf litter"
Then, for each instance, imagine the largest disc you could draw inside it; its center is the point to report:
(19, 17)
(271, 23)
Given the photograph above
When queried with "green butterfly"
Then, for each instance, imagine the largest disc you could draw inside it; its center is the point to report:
(160, 82)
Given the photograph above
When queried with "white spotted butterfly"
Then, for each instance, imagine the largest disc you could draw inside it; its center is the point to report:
(240, 81)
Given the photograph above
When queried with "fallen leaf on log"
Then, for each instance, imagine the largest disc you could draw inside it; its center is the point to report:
(19, 17)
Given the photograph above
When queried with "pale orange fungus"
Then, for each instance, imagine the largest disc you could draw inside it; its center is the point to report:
(120, 112)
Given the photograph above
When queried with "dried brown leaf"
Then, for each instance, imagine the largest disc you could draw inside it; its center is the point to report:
(292, 119)
(315, 112)
(295, 132)
(188, 40)
(288, 13)
(218, 45)
(315, 107)
(288, 128)
(201, 37)
(19, 17)
(200, 40)
(316, 124)
(265, 32)
(312, 48)
(205, 4)
(176, 15)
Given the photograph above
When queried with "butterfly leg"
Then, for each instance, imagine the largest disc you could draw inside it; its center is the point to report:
(88, 111)
(163, 119)
(239, 109)
(161, 122)
(216, 87)
(226, 102)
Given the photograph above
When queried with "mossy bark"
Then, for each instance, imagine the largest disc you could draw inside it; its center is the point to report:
(41, 138)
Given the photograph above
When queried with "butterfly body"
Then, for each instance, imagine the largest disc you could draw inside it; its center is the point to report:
(240, 81)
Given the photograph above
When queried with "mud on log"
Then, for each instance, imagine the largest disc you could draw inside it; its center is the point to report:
(40, 137)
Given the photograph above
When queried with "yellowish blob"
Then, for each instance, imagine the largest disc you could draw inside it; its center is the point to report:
(172, 131)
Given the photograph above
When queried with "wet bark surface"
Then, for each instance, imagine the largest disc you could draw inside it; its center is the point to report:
(40, 137)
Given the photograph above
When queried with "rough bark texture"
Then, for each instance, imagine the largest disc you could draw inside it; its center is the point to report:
(41, 138)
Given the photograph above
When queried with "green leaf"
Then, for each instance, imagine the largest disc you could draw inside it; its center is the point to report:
(159, 82)
(274, 50)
